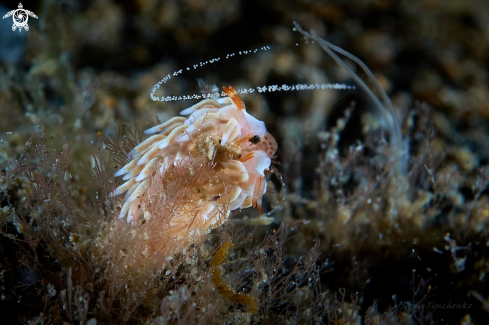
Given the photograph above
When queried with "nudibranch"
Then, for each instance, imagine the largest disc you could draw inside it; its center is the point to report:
(219, 131)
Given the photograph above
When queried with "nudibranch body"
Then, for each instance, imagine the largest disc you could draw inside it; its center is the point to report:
(218, 131)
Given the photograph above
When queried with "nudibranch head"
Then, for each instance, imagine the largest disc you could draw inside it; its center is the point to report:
(218, 132)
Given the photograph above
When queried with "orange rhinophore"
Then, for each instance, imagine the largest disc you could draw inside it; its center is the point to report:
(247, 157)
(246, 138)
(235, 97)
